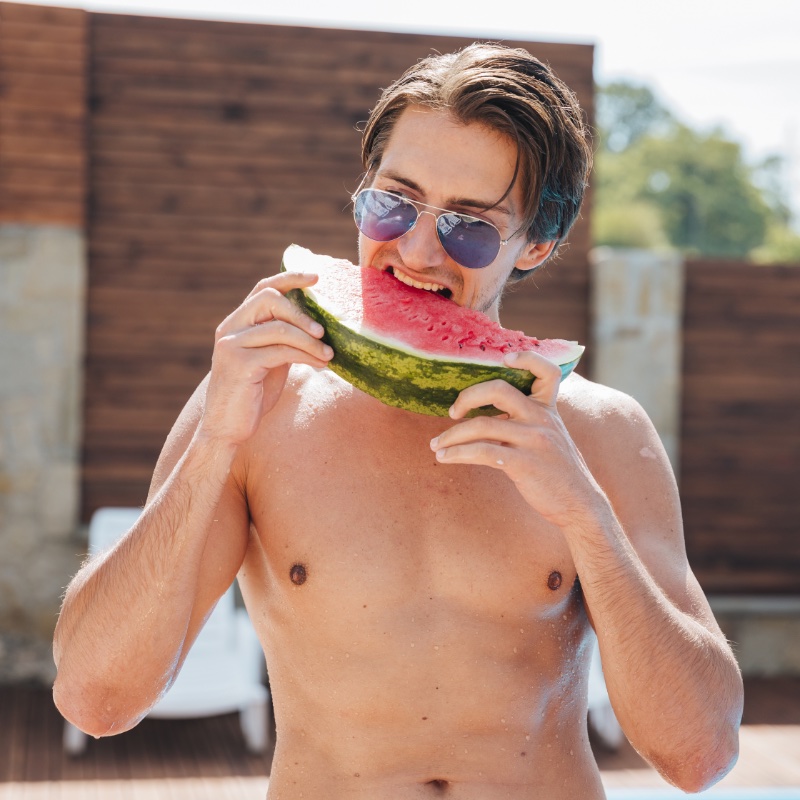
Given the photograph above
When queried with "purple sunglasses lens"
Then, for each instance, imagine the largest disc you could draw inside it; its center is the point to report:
(382, 217)
(470, 242)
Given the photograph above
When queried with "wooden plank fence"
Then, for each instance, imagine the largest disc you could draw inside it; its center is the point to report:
(43, 87)
(215, 145)
(740, 443)
(192, 152)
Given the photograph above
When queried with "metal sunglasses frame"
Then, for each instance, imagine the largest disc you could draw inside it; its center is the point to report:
(468, 217)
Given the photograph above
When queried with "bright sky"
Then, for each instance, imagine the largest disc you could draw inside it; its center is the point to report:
(713, 62)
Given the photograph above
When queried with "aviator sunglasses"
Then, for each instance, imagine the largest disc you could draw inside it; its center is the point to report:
(382, 216)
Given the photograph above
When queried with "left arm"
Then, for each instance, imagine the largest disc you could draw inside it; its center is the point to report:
(671, 676)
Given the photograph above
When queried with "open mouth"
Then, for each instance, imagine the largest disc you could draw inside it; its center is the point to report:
(436, 288)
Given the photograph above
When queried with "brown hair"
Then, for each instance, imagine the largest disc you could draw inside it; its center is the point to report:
(516, 94)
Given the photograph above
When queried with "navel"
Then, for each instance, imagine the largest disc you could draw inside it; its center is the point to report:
(554, 580)
(439, 784)
(298, 574)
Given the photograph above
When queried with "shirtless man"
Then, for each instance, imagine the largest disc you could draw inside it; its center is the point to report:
(425, 589)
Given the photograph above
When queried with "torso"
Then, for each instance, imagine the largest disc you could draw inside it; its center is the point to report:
(424, 629)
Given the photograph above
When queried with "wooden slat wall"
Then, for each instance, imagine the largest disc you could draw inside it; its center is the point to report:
(213, 146)
(740, 445)
(42, 114)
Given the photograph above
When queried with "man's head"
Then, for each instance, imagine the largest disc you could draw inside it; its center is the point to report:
(514, 94)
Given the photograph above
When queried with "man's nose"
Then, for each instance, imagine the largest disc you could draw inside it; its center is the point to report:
(420, 248)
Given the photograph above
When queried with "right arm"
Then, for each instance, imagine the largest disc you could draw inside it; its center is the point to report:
(130, 615)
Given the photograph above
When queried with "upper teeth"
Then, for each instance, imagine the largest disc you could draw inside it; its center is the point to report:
(431, 287)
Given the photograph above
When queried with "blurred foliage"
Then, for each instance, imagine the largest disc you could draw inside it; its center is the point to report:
(781, 246)
(660, 183)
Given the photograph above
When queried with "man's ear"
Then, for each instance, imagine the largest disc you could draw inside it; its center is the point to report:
(534, 254)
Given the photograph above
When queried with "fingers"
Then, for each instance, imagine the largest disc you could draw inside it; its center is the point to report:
(503, 396)
(528, 424)
(481, 433)
(284, 281)
(267, 302)
(487, 454)
(254, 361)
(269, 330)
(547, 375)
(279, 335)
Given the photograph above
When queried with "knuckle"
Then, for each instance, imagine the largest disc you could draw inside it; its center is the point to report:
(541, 438)
(280, 329)
(487, 452)
(224, 341)
(271, 292)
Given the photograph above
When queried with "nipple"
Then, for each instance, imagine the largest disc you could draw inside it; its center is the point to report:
(298, 574)
(554, 580)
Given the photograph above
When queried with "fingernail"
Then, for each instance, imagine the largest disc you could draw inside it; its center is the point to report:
(510, 358)
(434, 442)
(328, 351)
(440, 454)
(452, 411)
(317, 329)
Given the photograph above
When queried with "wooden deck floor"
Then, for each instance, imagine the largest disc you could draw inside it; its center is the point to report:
(199, 759)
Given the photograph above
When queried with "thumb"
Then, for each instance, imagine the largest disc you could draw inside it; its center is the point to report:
(547, 375)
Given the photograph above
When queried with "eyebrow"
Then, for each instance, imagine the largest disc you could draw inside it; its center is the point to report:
(458, 202)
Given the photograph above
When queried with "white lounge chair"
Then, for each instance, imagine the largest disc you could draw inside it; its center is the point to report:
(602, 719)
(223, 670)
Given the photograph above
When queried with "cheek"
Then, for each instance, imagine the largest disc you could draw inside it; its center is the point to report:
(367, 250)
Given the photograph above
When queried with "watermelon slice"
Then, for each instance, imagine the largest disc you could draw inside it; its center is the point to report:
(409, 347)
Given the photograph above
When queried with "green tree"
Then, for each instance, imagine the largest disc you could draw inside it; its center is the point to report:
(781, 246)
(626, 112)
(691, 189)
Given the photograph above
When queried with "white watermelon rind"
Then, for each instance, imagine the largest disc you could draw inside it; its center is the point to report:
(394, 373)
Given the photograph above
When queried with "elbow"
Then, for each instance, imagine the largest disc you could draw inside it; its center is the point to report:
(700, 769)
(90, 711)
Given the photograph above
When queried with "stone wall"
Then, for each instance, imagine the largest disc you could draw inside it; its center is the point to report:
(637, 307)
(42, 284)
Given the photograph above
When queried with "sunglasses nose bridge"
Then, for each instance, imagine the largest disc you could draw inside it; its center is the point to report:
(418, 219)
(422, 244)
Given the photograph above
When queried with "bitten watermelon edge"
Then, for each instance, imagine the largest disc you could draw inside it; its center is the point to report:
(391, 370)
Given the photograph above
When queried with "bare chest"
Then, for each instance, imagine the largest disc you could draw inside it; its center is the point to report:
(347, 498)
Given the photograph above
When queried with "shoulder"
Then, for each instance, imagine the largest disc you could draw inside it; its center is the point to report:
(584, 404)
(613, 432)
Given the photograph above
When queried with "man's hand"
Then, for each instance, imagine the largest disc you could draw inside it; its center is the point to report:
(529, 441)
(253, 350)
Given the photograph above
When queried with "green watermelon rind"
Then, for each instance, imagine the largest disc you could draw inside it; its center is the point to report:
(396, 377)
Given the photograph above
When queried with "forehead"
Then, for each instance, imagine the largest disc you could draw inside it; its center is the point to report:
(451, 160)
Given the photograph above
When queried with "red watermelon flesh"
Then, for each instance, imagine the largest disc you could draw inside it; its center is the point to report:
(421, 320)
